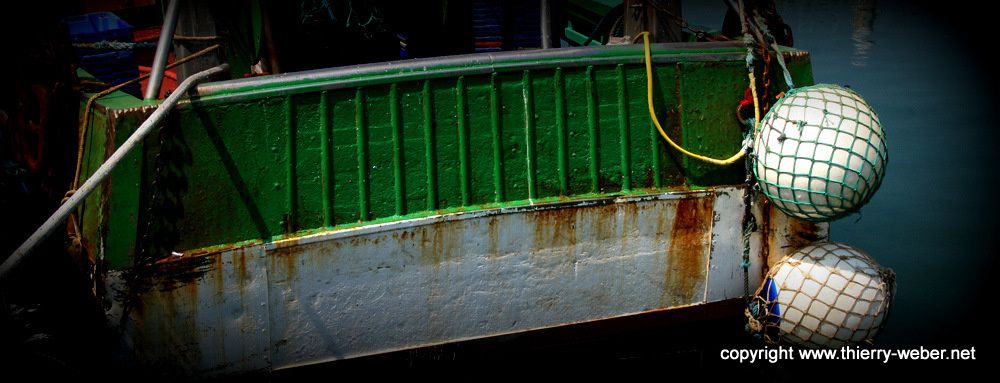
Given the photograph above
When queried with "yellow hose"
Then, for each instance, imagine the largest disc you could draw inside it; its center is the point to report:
(652, 112)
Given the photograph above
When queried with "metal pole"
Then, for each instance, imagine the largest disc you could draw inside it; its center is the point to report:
(162, 51)
(546, 25)
(104, 171)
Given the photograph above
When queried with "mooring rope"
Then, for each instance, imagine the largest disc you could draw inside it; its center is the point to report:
(659, 127)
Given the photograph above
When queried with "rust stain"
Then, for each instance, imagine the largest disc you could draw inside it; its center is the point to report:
(168, 316)
(191, 301)
(201, 252)
(170, 275)
(690, 237)
(605, 215)
(647, 178)
(286, 219)
(630, 223)
(452, 234)
(608, 184)
(289, 256)
(493, 237)
(554, 227)
(425, 242)
(219, 277)
(240, 262)
(436, 246)
(802, 233)
(439, 242)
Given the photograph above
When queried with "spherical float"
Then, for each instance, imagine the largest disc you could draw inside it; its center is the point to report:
(825, 295)
(820, 153)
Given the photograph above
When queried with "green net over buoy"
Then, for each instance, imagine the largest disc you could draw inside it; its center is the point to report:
(821, 153)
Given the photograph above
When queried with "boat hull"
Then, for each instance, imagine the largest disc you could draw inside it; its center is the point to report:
(447, 278)
(330, 214)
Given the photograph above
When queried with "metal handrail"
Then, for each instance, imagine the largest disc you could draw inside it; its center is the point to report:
(74, 201)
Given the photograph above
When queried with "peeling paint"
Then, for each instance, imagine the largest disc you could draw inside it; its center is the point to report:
(690, 241)
(319, 235)
(344, 294)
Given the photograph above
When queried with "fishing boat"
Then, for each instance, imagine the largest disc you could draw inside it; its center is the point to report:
(335, 213)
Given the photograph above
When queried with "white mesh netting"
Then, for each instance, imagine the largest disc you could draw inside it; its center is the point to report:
(824, 295)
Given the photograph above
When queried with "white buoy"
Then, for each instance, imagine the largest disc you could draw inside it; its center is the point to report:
(826, 295)
(820, 153)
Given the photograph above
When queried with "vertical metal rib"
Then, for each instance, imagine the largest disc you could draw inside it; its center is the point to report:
(291, 189)
(495, 120)
(655, 142)
(528, 96)
(397, 150)
(361, 127)
(624, 129)
(563, 151)
(430, 147)
(325, 158)
(592, 125)
(461, 104)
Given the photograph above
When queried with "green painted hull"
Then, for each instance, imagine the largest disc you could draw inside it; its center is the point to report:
(251, 161)
(331, 214)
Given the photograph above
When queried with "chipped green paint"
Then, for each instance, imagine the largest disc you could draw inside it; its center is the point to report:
(287, 158)
(110, 215)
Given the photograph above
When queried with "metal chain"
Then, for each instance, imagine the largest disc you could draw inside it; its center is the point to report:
(753, 308)
(150, 246)
(765, 80)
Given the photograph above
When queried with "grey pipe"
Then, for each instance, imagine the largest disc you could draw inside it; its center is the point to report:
(546, 25)
(104, 171)
(162, 51)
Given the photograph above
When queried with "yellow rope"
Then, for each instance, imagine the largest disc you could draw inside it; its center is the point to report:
(656, 121)
(756, 107)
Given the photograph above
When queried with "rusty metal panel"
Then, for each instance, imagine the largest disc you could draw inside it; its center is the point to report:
(782, 234)
(432, 280)
(436, 280)
(204, 314)
(726, 275)
(777, 235)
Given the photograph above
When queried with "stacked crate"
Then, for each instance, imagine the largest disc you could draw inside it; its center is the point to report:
(108, 65)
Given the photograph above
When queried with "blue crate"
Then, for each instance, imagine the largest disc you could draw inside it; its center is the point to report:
(98, 26)
(111, 66)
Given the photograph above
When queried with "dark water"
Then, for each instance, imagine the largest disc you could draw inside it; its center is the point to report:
(934, 219)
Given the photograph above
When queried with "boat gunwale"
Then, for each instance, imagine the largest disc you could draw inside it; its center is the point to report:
(395, 223)
(461, 65)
